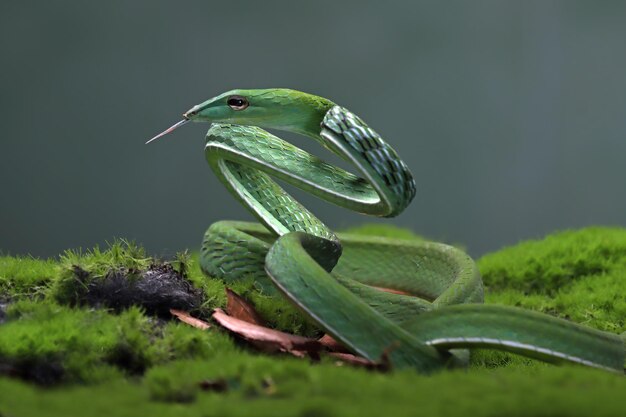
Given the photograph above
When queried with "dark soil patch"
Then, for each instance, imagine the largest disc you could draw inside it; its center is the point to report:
(157, 289)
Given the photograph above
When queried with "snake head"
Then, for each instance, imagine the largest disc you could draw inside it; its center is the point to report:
(229, 107)
(274, 108)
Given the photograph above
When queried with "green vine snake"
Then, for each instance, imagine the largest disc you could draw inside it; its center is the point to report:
(434, 311)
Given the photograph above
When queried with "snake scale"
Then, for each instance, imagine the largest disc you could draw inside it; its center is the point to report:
(420, 302)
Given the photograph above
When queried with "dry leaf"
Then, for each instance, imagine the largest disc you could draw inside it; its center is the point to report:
(241, 308)
(332, 345)
(244, 321)
(267, 339)
(186, 318)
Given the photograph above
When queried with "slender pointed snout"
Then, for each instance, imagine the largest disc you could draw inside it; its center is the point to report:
(191, 113)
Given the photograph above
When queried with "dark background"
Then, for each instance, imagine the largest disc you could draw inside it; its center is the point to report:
(511, 115)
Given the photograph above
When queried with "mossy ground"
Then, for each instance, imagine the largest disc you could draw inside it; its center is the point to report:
(60, 357)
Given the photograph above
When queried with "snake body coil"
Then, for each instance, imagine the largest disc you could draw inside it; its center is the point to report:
(337, 279)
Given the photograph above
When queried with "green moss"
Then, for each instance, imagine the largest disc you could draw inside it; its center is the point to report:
(24, 276)
(342, 390)
(76, 268)
(267, 386)
(547, 266)
(578, 275)
(49, 343)
(119, 254)
(133, 364)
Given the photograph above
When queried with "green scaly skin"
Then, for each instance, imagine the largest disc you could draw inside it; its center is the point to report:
(333, 278)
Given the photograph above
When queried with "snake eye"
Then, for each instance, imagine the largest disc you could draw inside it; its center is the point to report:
(238, 102)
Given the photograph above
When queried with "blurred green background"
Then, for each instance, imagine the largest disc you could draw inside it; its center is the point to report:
(511, 115)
